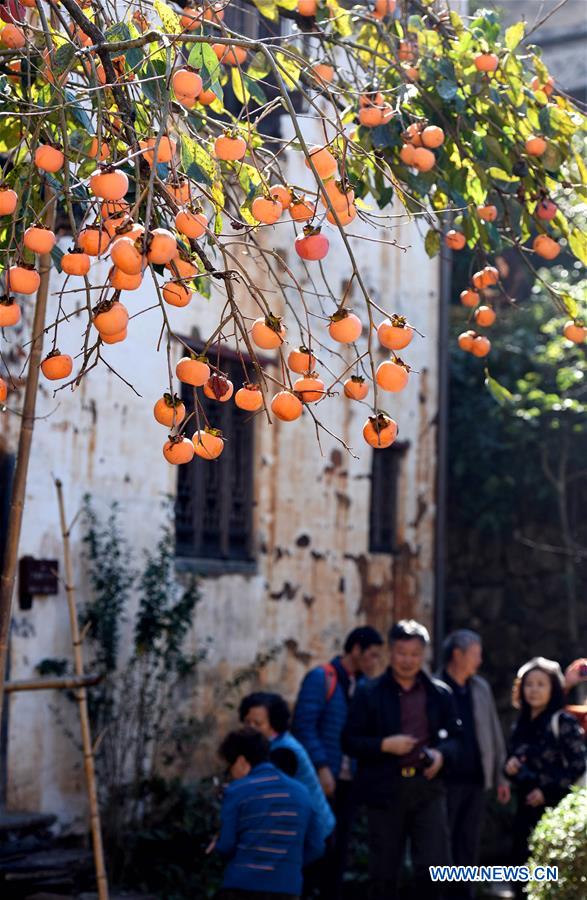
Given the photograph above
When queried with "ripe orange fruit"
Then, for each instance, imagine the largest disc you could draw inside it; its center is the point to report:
(169, 411)
(372, 116)
(395, 333)
(486, 62)
(535, 145)
(356, 388)
(486, 277)
(323, 72)
(432, 137)
(109, 184)
(413, 134)
(93, 149)
(230, 54)
(484, 316)
(481, 346)
(127, 255)
(424, 159)
(190, 19)
(3, 391)
(9, 312)
(230, 148)
(165, 150)
(301, 360)
(8, 201)
(345, 216)
(182, 266)
(93, 240)
(186, 83)
(345, 327)
(49, 158)
(310, 387)
(206, 97)
(249, 398)
(469, 298)
(384, 8)
(266, 210)
(57, 365)
(406, 51)
(23, 279)
(311, 244)
(179, 188)
(76, 262)
(575, 332)
(307, 7)
(191, 223)
(341, 199)
(110, 317)
(380, 431)
(178, 450)
(465, 340)
(286, 406)
(455, 240)
(487, 213)
(39, 239)
(301, 210)
(546, 247)
(282, 193)
(161, 247)
(208, 443)
(176, 293)
(546, 210)
(193, 370)
(323, 160)
(122, 281)
(218, 387)
(392, 375)
(267, 332)
(114, 338)
(407, 154)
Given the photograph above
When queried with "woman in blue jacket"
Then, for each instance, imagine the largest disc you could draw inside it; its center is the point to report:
(269, 714)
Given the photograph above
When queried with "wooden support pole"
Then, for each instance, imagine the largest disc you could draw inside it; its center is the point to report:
(25, 440)
(51, 684)
(82, 699)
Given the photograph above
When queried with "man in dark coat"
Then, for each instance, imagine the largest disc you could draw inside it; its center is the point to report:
(403, 729)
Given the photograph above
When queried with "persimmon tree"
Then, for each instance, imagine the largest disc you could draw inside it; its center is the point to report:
(117, 115)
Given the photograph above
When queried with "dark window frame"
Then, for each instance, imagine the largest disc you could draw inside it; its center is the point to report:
(386, 466)
(219, 496)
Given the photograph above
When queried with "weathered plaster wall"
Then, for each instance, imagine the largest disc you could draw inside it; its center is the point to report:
(315, 578)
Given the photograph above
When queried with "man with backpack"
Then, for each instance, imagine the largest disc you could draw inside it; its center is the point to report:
(319, 718)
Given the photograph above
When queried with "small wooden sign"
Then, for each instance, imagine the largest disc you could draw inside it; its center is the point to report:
(36, 576)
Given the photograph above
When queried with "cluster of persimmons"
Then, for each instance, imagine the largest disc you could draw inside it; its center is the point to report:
(147, 212)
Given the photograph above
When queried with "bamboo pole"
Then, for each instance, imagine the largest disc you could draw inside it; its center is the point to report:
(51, 684)
(82, 699)
(25, 439)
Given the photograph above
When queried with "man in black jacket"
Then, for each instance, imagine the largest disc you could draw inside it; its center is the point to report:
(403, 729)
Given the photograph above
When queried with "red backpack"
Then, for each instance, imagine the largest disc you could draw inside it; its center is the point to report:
(331, 680)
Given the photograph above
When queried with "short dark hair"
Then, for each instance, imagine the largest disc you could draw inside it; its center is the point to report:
(408, 630)
(284, 758)
(245, 742)
(461, 639)
(277, 709)
(557, 684)
(365, 637)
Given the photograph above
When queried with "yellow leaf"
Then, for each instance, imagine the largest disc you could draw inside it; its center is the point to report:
(169, 18)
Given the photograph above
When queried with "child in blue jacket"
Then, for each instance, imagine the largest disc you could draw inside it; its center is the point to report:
(268, 827)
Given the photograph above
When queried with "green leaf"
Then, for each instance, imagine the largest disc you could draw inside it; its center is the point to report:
(497, 390)
(571, 305)
(56, 255)
(202, 57)
(578, 244)
(289, 70)
(432, 242)
(267, 8)
(196, 161)
(514, 35)
(447, 89)
(118, 32)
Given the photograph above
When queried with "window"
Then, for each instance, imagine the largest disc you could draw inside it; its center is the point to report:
(214, 506)
(385, 472)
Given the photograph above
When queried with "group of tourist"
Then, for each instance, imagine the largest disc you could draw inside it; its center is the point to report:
(420, 753)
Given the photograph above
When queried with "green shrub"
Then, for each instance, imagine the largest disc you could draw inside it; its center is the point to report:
(560, 839)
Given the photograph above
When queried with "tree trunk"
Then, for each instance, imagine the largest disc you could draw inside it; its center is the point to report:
(24, 452)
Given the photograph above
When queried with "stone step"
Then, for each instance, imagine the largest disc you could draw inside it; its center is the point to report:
(15, 823)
